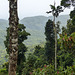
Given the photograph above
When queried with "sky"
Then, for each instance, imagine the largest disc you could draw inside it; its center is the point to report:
(29, 8)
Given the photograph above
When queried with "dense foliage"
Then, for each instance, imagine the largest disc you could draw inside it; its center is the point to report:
(49, 47)
(22, 34)
(40, 60)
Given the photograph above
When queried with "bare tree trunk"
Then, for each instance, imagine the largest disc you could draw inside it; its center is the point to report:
(55, 31)
(13, 39)
(55, 48)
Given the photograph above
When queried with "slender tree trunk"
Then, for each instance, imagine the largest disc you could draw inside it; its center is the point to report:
(55, 48)
(13, 39)
(55, 31)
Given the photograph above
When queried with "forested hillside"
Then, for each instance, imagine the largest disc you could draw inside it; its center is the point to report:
(37, 45)
(35, 26)
(3, 25)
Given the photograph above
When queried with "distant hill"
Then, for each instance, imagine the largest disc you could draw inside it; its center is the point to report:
(34, 25)
(3, 25)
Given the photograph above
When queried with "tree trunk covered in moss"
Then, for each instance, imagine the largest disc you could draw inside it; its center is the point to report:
(13, 36)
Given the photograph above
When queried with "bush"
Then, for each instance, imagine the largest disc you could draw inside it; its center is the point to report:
(49, 70)
(4, 70)
(46, 70)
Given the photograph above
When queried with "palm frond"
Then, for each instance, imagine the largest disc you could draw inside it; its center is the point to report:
(48, 12)
(52, 7)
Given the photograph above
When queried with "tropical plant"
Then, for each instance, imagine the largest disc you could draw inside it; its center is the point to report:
(49, 46)
(22, 36)
(55, 12)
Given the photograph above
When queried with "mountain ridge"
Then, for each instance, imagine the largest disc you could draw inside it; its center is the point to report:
(34, 25)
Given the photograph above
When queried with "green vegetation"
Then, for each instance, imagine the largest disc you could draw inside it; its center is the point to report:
(40, 55)
(49, 46)
(22, 34)
(35, 26)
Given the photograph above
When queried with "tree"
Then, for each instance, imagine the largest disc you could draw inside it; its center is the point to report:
(49, 46)
(55, 12)
(41, 58)
(22, 35)
(13, 37)
(67, 51)
(71, 22)
(67, 47)
(72, 14)
(68, 3)
(29, 65)
(34, 60)
(70, 27)
(39, 51)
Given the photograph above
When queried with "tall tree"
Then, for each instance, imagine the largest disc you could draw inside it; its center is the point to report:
(49, 46)
(22, 35)
(13, 36)
(55, 12)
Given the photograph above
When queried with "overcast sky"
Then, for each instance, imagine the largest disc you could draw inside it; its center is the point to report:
(28, 8)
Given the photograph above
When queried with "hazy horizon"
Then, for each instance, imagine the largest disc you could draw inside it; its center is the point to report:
(29, 8)
(34, 16)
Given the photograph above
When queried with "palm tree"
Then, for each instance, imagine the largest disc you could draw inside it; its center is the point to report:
(55, 12)
(13, 37)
